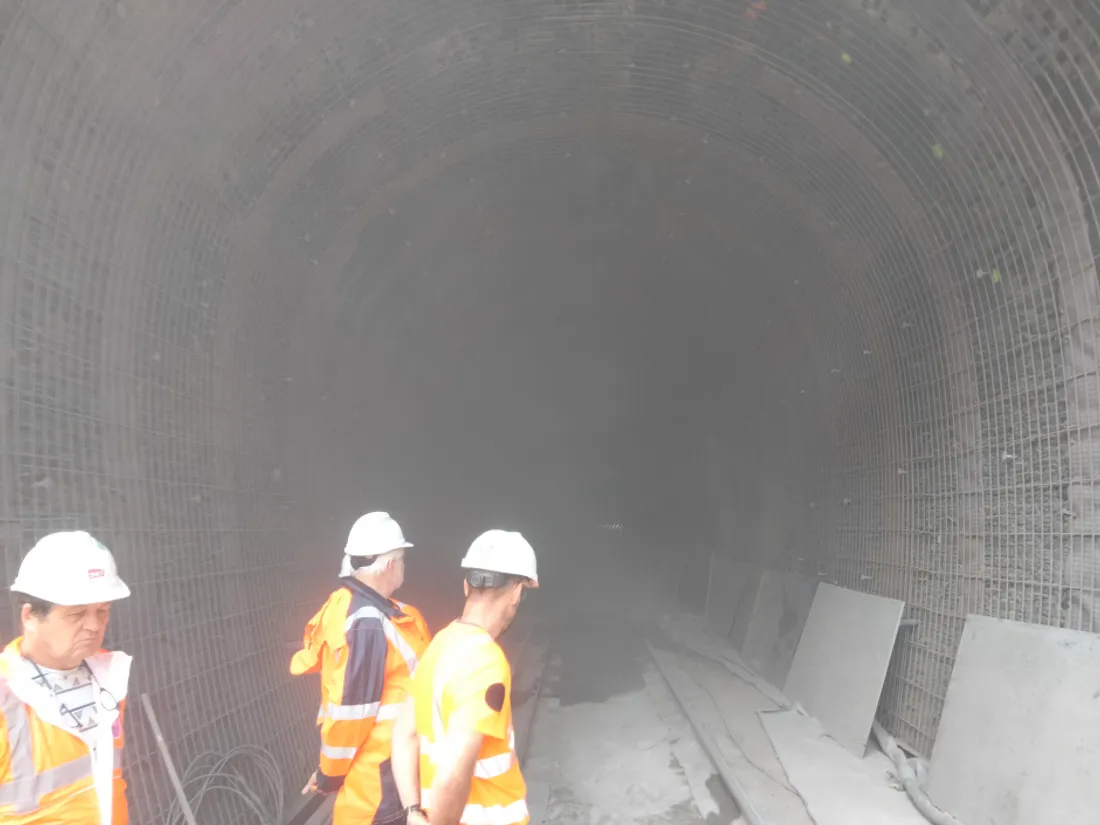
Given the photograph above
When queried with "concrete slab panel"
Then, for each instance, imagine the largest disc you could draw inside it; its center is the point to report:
(841, 661)
(782, 606)
(725, 707)
(746, 605)
(1017, 741)
(723, 593)
(838, 788)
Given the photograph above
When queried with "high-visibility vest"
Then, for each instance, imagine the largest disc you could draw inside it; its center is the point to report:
(366, 648)
(461, 663)
(49, 774)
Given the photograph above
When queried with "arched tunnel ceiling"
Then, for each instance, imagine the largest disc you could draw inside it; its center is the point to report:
(808, 283)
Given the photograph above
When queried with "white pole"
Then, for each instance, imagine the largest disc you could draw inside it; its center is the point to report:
(173, 777)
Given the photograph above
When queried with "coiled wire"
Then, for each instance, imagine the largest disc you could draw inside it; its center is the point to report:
(211, 775)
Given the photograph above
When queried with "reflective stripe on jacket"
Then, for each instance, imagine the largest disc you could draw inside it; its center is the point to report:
(366, 648)
(48, 774)
(456, 672)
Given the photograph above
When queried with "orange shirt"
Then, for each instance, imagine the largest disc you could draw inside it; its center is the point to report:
(464, 679)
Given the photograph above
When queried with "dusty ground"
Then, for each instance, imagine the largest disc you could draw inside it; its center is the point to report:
(610, 744)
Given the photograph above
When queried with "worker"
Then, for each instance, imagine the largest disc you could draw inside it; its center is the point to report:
(365, 645)
(62, 696)
(454, 746)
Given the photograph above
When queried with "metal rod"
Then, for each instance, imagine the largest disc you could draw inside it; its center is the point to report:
(315, 809)
(169, 766)
(533, 702)
(735, 788)
(525, 719)
(710, 577)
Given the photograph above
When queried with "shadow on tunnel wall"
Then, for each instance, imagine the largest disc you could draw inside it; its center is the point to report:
(809, 283)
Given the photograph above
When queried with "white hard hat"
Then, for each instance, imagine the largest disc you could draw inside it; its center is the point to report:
(503, 551)
(70, 568)
(373, 535)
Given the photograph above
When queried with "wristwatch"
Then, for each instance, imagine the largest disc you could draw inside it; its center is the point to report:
(414, 809)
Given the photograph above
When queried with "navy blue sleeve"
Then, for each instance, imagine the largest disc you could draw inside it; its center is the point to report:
(351, 713)
(365, 673)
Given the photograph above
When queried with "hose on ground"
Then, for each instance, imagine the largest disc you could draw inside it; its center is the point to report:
(909, 780)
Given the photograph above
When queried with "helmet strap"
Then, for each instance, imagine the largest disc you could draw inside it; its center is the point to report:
(487, 579)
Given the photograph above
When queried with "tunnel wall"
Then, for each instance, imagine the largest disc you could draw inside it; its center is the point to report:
(843, 257)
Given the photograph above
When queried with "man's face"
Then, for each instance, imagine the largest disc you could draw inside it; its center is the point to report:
(396, 572)
(517, 590)
(67, 635)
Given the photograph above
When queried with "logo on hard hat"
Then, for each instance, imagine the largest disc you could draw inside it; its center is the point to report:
(96, 573)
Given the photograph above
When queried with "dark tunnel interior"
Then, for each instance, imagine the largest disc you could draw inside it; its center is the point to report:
(806, 283)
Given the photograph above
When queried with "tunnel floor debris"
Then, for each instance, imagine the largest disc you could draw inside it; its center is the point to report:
(610, 744)
(791, 771)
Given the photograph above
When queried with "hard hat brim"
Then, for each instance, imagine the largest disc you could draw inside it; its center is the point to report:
(348, 551)
(117, 591)
(121, 591)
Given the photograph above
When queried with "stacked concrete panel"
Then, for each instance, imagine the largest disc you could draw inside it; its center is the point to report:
(783, 603)
(841, 662)
(1019, 739)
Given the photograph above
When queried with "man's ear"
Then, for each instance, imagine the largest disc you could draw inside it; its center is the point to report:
(28, 620)
(517, 593)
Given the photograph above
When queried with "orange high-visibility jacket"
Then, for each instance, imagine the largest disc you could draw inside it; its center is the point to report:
(49, 774)
(366, 648)
(464, 679)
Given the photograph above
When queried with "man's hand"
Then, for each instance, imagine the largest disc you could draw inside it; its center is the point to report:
(311, 787)
(454, 771)
(417, 818)
(405, 758)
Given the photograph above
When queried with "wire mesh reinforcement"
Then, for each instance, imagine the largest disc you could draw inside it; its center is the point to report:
(262, 262)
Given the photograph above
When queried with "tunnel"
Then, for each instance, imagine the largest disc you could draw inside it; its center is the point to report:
(808, 285)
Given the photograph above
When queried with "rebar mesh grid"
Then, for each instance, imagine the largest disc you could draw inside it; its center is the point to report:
(261, 262)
